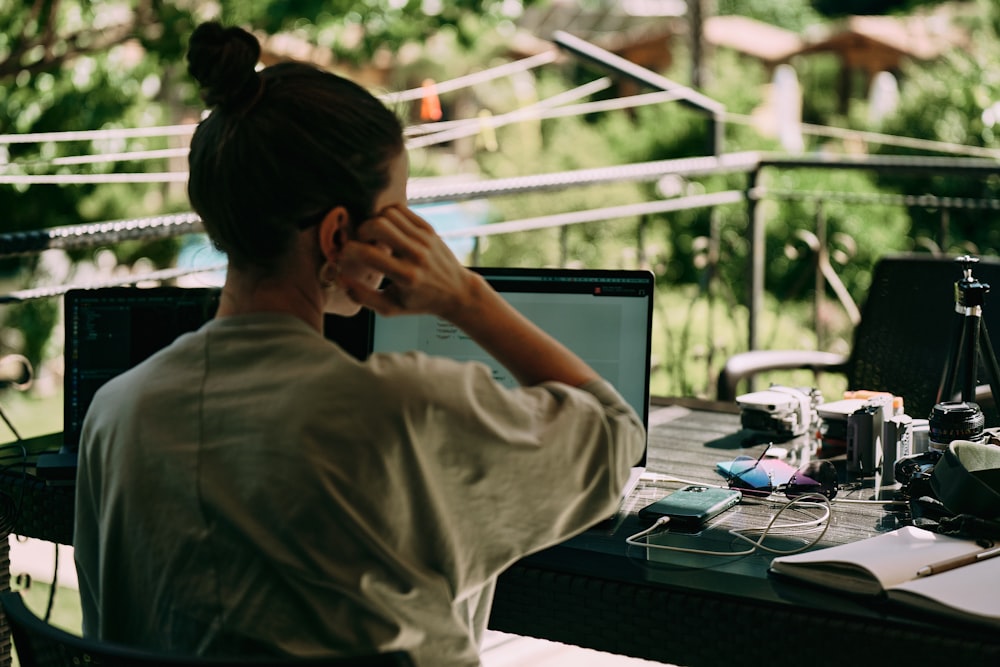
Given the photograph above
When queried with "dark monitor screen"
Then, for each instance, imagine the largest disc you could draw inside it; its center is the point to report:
(109, 330)
(112, 329)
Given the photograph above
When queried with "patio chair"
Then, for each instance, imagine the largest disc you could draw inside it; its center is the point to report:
(905, 339)
(39, 644)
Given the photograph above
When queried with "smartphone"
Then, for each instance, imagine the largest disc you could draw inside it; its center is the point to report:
(691, 506)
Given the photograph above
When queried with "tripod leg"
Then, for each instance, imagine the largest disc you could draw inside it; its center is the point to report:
(992, 368)
(970, 357)
(947, 387)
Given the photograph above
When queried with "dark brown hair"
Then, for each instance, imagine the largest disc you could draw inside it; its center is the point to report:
(281, 147)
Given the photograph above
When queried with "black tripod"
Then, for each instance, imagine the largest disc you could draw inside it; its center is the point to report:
(970, 296)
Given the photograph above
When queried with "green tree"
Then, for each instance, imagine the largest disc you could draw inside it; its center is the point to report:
(793, 15)
(106, 64)
(119, 63)
(955, 100)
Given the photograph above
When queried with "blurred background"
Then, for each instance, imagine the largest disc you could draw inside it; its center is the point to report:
(506, 125)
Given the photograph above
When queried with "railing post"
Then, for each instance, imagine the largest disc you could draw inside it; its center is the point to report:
(476, 250)
(640, 241)
(755, 300)
(944, 233)
(563, 245)
(821, 257)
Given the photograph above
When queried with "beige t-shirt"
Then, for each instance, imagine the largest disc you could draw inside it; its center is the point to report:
(253, 487)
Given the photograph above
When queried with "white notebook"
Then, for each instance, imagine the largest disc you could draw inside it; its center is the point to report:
(887, 565)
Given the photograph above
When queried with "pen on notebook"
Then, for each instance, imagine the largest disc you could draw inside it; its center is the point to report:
(958, 561)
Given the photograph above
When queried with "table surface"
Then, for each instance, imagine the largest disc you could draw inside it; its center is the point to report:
(597, 591)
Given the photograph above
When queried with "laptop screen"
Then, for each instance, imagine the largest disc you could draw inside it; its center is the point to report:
(111, 329)
(604, 316)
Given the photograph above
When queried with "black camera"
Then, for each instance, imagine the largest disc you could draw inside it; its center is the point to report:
(913, 473)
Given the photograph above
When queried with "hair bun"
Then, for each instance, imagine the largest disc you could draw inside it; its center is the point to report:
(223, 61)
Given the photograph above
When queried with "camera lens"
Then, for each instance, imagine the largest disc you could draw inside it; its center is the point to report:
(955, 420)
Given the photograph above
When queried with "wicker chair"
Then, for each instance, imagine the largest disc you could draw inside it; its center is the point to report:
(39, 644)
(905, 339)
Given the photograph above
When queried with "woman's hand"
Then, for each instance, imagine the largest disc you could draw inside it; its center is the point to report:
(425, 276)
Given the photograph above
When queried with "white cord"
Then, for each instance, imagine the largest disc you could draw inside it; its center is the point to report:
(858, 501)
(816, 524)
(659, 477)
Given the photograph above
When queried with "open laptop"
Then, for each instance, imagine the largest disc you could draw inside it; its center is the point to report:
(604, 316)
(111, 329)
(108, 330)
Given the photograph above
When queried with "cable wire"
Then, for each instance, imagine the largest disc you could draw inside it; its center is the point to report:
(816, 524)
(469, 80)
(898, 141)
(529, 112)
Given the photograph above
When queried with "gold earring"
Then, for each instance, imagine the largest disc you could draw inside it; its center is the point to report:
(328, 274)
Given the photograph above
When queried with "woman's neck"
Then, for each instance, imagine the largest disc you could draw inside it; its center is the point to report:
(248, 292)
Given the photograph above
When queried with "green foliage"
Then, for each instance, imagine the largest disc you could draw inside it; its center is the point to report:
(356, 29)
(819, 78)
(553, 146)
(954, 100)
(858, 233)
(79, 67)
(35, 320)
(789, 14)
(120, 64)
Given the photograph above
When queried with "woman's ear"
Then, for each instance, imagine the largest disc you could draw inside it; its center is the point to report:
(334, 231)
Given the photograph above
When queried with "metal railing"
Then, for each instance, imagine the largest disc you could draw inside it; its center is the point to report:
(752, 166)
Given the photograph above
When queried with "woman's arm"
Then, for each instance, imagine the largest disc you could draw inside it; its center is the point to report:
(427, 278)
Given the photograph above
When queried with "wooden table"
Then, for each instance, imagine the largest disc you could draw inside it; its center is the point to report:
(596, 591)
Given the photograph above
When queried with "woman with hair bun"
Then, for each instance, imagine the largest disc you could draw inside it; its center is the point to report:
(253, 488)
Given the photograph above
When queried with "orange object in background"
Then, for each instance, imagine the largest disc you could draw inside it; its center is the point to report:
(865, 394)
(430, 103)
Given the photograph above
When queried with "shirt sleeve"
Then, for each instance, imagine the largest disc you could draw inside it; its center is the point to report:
(85, 540)
(512, 471)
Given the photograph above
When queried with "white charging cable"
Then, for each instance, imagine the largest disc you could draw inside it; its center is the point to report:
(817, 525)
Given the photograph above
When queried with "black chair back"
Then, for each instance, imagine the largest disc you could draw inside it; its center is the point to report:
(909, 328)
(39, 644)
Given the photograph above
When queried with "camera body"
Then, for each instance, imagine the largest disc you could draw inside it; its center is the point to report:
(832, 432)
(897, 442)
(914, 472)
(864, 437)
(878, 433)
(783, 412)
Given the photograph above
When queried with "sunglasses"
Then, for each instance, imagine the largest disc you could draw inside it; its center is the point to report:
(755, 477)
